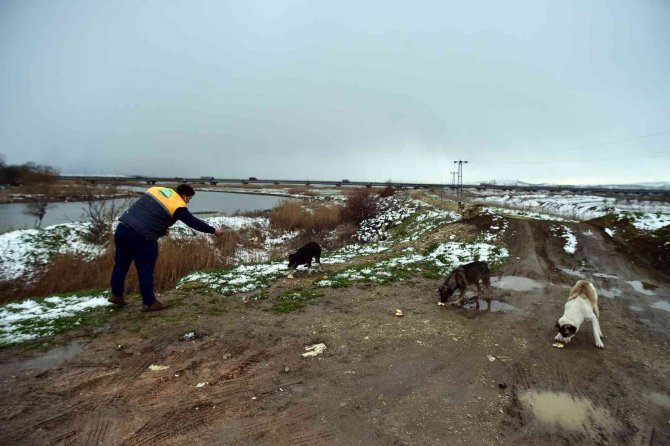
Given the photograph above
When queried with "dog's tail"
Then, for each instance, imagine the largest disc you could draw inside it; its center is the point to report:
(586, 289)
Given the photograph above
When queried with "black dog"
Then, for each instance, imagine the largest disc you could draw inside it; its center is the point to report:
(304, 256)
(461, 277)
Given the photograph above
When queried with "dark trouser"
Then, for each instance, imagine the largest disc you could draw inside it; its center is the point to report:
(132, 246)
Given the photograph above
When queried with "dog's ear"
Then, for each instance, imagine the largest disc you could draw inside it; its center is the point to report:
(572, 329)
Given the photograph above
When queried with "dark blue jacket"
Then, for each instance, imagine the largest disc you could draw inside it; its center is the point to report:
(149, 218)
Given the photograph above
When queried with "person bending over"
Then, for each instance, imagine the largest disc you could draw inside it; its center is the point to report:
(136, 238)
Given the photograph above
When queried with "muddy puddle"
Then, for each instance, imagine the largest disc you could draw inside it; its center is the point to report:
(642, 287)
(560, 411)
(661, 305)
(573, 272)
(660, 399)
(610, 294)
(496, 306)
(44, 361)
(605, 276)
(516, 283)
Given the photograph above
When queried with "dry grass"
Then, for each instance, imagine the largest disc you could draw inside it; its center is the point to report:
(294, 216)
(68, 272)
(302, 190)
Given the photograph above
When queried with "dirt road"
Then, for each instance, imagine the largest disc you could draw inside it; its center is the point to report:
(437, 375)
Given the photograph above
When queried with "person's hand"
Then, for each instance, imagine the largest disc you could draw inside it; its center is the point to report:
(218, 232)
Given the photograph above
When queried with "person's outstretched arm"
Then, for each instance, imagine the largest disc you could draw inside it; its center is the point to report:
(183, 215)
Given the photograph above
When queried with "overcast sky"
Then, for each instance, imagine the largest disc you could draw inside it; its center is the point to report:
(539, 91)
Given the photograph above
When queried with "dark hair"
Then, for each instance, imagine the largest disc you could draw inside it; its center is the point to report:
(185, 189)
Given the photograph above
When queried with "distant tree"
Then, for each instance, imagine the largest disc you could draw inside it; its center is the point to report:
(29, 173)
(32, 173)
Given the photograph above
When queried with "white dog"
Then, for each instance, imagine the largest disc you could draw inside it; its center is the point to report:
(582, 305)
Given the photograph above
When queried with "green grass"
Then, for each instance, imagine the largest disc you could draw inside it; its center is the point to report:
(373, 272)
(406, 228)
(292, 300)
(46, 329)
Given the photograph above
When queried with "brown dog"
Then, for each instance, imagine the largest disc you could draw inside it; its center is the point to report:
(470, 274)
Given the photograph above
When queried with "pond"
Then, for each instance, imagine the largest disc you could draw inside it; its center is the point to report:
(12, 215)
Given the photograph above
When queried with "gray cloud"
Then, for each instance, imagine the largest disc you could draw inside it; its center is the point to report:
(527, 89)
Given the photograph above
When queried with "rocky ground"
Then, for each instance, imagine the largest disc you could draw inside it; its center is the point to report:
(437, 375)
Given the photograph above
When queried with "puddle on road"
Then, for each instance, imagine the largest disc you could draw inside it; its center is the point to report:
(559, 411)
(572, 272)
(496, 306)
(642, 287)
(662, 305)
(516, 283)
(660, 399)
(610, 294)
(52, 358)
(605, 276)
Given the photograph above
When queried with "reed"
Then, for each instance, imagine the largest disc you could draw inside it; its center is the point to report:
(293, 216)
(71, 272)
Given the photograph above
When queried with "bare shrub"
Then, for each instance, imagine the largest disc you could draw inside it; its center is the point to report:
(101, 213)
(37, 209)
(360, 205)
(11, 290)
(41, 194)
(388, 191)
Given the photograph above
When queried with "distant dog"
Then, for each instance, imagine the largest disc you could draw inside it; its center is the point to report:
(582, 305)
(459, 279)
(304, 256)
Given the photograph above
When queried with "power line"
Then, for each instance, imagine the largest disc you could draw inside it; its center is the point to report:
(576, 149)
(631, 157)
(632, 138)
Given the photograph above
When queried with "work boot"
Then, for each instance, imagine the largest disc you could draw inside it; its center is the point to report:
(156, 306)
(117, 300)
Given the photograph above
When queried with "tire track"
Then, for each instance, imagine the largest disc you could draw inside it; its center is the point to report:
(98, 429)
(196, 416)
(96, 435)
(177, 423)
(242, 369)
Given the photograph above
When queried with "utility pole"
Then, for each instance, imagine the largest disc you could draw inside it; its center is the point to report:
(460, 179)
(453, 178)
